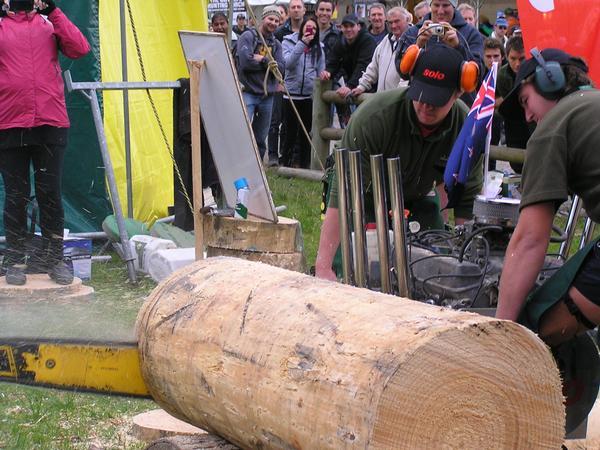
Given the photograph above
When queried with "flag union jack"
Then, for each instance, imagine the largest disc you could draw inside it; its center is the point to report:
(472, 139)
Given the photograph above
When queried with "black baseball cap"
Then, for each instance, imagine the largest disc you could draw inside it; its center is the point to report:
(528, 67)
(350, 18)
(436, 75)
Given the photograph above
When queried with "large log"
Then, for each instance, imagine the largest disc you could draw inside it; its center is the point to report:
(269, 358)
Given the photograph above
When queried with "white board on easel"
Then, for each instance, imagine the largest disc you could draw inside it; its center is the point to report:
(226, 124)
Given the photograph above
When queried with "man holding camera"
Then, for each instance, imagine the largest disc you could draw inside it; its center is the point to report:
(34, 127)
(445, 25)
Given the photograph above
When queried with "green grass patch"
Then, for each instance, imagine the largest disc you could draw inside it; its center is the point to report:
(39, 418)
(303, 201)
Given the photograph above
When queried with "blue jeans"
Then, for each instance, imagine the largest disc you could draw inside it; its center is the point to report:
(259, 110)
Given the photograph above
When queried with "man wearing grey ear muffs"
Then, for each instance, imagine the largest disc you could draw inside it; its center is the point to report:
(555, 90)
(34, 127)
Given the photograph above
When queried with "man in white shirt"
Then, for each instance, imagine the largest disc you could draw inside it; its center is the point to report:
(381, 72)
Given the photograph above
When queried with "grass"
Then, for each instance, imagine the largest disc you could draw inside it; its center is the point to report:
(303, 199)
(40, 418)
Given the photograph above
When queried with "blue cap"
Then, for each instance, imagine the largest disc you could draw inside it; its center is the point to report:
(240, 183)
(501, 22)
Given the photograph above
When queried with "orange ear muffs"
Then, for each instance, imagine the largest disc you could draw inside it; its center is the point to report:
(469, 76)
(409, 60)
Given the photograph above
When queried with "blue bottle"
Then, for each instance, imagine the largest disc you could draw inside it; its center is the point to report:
(241, 203)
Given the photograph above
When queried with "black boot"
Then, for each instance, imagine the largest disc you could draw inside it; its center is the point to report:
(15, 275)
(61, 272)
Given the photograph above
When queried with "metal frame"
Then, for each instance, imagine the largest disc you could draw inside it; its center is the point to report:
(90, 91)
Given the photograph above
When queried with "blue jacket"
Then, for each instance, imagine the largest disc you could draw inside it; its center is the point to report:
(301, 67)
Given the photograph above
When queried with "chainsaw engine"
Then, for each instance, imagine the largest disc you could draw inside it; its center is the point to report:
(461, 268)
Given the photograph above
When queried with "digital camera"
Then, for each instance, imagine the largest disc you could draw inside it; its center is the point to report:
(21, 5)
(437, 29)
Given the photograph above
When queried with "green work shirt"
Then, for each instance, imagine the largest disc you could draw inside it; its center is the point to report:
(387, 124)
(506, 81)
(563, 154)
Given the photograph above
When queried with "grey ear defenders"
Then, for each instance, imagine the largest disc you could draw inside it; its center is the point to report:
(549, 77)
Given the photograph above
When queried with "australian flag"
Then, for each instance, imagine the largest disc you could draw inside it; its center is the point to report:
(472, 139)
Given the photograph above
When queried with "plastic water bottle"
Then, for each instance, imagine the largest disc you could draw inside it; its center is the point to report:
(241, 203)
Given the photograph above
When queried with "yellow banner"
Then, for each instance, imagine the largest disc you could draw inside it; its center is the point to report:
(156, 24)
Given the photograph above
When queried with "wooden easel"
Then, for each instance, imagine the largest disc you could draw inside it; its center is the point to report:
(196, 68)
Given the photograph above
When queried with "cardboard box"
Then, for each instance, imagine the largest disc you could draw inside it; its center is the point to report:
(79, 253)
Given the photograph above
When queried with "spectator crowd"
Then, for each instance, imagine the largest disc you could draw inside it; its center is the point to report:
(359, 55)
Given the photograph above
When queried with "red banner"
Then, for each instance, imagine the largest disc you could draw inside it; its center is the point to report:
(571, 25)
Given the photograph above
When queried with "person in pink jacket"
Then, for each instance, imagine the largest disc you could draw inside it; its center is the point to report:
(34, 127)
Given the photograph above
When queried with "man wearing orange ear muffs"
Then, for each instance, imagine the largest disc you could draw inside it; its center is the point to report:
(419, 125)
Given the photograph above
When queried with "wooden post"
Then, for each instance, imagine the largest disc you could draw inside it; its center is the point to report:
(321, 119)
(269, 358)
(195, 75)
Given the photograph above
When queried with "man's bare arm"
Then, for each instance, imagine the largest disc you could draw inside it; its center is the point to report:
(328, 244)
(524, 258)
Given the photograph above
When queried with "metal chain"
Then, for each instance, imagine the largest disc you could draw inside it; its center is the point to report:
(154, 109)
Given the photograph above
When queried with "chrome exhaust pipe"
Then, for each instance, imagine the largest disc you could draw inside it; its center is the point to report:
(398, 226)
(381, 220)
(358, 220)
(341, 167)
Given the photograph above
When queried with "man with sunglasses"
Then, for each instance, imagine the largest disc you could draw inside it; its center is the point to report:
(500, 29)
(381, 72)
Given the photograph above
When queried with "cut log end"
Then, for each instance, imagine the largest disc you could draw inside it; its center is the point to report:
(484, 386)
(152, 425)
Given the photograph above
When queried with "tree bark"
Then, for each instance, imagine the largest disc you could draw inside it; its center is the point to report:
(269, 358)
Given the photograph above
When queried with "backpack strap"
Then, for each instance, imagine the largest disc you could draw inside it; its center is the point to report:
(256, 38)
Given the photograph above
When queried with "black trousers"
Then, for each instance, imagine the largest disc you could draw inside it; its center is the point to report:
(276, 128)
(15, 163)
(296, 148)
